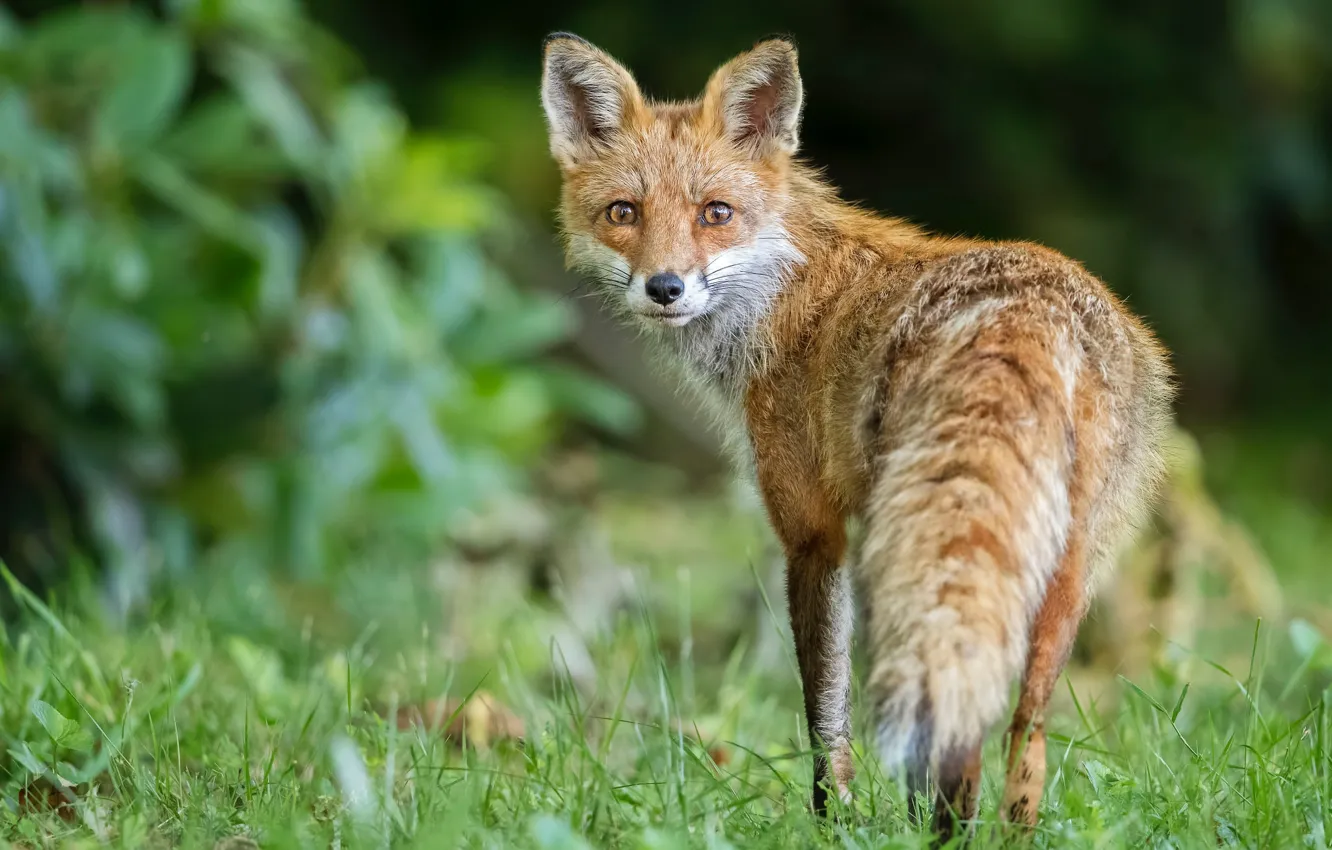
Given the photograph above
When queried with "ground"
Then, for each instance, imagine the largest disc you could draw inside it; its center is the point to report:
(643, 696)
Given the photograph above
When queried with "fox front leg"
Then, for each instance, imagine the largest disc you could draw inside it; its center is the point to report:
(819, 601)
(818, 594)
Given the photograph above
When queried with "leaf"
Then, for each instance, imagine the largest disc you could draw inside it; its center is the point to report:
(24, 756)
(585, 397)
(27, 160)
(425, 444)
(123, 354)
(424, 192)
(1306, 638)
(1179, 704)
(221, 138)
(277, 105)
(85, 43)
(147, 93)
(63, 731)
(259, 665)
(372, 287)
(451, 280)
(212, 212)
(30, 601)
(1311, 647)
(9, 29)
(281, 266)
(129, 264)
(513, 335)
(367, 135)
(552, 833)
(187, 685)
(511, 410)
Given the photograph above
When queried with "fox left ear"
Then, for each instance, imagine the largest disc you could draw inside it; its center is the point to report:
(757, 97)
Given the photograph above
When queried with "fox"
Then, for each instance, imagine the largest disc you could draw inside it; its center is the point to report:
(988, 414)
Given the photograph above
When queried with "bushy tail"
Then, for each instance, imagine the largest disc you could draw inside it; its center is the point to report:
(968, 520)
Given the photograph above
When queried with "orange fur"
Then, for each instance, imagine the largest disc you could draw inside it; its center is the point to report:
(990, 411)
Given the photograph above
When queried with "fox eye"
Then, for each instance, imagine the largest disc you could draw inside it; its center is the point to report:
(717, 212)
(622, 212)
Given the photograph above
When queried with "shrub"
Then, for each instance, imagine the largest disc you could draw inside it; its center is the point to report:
(242, 303)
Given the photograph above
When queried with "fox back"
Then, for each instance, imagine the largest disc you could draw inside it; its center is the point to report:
(989, 410)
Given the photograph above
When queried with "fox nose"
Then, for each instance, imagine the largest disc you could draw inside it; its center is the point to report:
(665, 288)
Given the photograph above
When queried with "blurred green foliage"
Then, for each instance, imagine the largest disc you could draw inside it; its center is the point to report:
(242, 303)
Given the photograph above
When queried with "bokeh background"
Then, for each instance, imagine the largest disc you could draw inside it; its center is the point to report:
(275, 267)
(284, 328)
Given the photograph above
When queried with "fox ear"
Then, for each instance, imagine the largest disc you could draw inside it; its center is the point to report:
(587, 95)
(757, 97)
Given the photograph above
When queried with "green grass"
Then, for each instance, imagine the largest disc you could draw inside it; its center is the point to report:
(240, 706)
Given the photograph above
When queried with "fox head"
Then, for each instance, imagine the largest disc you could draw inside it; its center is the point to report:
(675, 210)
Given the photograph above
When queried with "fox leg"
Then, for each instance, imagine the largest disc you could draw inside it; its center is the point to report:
(1051, 643)
(819, 602)
(818, 594)
(958, 793)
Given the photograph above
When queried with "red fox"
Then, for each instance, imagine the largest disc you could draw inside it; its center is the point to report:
(990, 411)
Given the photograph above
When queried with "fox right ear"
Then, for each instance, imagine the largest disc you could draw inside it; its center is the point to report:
(587, 95)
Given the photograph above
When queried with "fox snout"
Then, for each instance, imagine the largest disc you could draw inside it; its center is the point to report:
(668, 296)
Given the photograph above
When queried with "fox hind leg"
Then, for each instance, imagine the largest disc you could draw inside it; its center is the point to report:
(1051, 642)
(1055, 627)
(957, 796)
